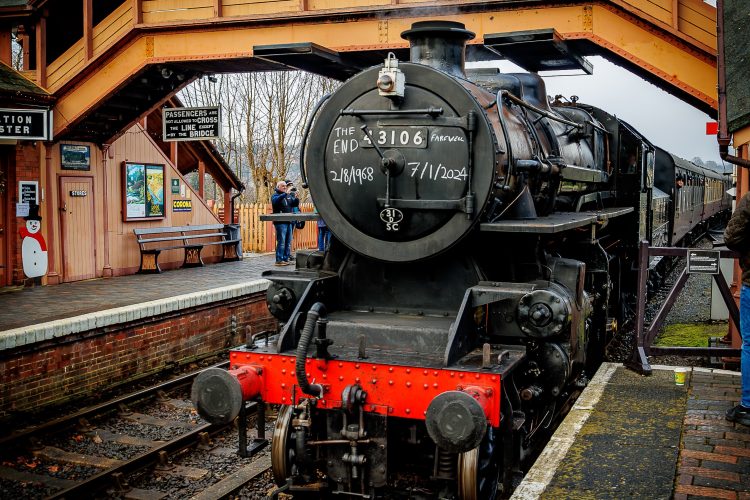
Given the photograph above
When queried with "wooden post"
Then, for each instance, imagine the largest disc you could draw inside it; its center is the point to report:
(137, 11)
(218, 11)
(41, 52)
(201, 178)
(6, 50)
(88, 29)
(173, 154)
(52, 277)
(107, 270)
(676, 14)
(228, 215)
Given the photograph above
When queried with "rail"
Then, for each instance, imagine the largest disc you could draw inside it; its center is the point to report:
(645, 336)
(112, 405)
(116, 474)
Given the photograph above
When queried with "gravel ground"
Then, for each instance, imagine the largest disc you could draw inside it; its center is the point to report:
(42, 466)
(167, 411)
(91, 444)
(154, 433)
(12, 489)
(258, 489)
(218, 466)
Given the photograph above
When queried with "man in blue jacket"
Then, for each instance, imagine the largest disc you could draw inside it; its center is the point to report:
(283, 203)
(737, 238)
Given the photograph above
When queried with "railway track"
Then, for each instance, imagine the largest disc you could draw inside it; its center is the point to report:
(147, 445)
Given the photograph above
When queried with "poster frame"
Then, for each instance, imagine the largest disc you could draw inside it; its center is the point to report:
(124, 191)
(74, 166)
(22, 184)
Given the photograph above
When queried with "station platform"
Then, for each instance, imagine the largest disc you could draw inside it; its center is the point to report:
(66, 342)
(630, 436)
(26, 307)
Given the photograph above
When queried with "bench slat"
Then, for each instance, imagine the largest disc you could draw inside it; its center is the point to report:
(220, 242)
(176, 229)
(160, 249)
(185, 237)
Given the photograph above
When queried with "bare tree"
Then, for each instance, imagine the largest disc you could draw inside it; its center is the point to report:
(16, 52)
(281, 106)
(263, 117)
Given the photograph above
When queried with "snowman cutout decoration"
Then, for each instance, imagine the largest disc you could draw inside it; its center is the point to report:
(33, 247)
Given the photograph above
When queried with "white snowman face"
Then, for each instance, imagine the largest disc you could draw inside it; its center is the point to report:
(33, 226)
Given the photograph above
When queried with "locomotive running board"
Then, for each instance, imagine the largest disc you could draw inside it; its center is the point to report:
(555, 223)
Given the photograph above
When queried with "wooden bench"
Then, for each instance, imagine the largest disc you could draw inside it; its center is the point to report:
(192, 238)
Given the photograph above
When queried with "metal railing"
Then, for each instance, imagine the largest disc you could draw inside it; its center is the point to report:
(645, 336)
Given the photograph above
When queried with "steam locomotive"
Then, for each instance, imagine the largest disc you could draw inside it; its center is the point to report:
(484, 251)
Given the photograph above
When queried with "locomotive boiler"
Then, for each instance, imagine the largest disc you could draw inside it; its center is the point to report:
(482, 242)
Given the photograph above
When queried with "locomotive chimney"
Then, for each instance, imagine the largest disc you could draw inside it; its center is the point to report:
(439, 44)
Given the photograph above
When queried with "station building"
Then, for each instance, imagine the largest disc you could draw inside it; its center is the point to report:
(79, 180)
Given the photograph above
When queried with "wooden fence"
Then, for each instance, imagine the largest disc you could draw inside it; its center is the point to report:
(259, 236)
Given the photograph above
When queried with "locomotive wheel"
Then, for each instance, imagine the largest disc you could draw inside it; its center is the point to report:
(282, 447)
(479, 470)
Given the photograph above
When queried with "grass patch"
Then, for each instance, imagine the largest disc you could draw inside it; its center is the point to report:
(690, 334)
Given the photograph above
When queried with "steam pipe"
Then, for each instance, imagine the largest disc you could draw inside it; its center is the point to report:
(315, 312)
(723, 137)
(539, 111)
(508, 145)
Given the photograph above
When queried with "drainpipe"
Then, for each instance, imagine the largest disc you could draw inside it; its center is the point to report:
(231, 202)
(724, 138)
(107, 270)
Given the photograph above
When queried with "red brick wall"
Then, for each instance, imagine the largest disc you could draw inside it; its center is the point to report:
(73, 367)
(26, 169)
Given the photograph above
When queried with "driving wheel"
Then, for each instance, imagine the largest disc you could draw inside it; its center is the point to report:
(479, 470)
(282, 447)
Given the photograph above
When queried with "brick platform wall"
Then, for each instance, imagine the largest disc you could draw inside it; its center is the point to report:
(75, 366)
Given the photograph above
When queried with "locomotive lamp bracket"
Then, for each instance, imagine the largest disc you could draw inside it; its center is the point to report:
(391, 81)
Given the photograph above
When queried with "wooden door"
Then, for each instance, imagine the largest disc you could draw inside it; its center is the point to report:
(77, 226)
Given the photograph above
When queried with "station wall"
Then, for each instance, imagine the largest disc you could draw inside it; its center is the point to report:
(88, 237)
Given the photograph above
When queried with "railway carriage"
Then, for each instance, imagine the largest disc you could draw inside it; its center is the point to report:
(484, 246)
